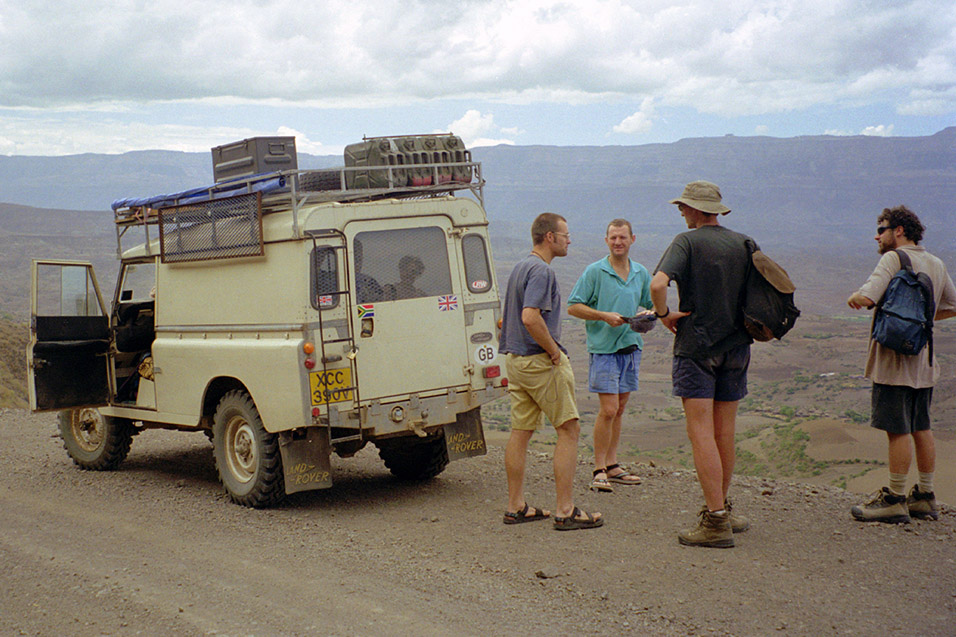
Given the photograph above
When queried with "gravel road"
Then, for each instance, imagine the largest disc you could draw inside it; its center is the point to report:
(155, 548)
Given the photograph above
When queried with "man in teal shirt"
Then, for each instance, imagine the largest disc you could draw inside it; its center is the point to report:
(608, 293)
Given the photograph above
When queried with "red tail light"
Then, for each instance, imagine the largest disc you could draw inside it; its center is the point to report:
(492, 371)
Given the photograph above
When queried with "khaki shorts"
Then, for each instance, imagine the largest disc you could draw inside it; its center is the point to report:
(539, 388)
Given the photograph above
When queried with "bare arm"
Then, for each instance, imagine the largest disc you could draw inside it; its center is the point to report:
(944, 314)
(588, 313)
(857, 301)
(659, 297)
(533, 322)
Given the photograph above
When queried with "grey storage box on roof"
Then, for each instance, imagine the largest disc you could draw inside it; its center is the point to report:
(253, 156)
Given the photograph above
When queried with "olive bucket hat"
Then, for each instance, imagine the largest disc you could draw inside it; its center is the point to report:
(703, 196)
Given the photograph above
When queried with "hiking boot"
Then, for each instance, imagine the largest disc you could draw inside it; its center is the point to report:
(712, 530)
(738, 523)
(922, 505)
(884, 506)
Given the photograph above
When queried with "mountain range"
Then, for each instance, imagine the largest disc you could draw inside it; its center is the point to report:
(812, 200)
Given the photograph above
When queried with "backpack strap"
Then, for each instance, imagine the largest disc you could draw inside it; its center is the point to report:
(905, 263)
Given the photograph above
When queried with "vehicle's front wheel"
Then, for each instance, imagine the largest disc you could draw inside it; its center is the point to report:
(247, 456)
(94, 441)
(414, 458)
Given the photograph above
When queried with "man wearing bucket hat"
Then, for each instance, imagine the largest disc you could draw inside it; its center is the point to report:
(711, 349)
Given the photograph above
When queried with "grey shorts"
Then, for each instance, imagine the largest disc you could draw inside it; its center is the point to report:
(897, 409)
(722, 377)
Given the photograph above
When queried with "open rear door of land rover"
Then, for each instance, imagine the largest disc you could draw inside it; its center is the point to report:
(67, 358)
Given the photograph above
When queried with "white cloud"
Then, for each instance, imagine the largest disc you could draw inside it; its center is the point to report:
(305, 145)
(729, 58)
(881, 130)
(474, 127)
(929, 102)
(639, 122)
(878, 131)
(351, 52)
(761, 129)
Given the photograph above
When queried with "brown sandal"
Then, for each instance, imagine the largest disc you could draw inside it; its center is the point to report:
(600, 484)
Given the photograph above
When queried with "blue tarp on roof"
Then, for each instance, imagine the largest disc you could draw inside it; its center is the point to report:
(263, 183)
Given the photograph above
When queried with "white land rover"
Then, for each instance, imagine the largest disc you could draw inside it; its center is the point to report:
(287, 314)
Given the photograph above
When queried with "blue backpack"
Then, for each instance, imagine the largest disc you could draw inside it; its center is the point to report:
(903, 320)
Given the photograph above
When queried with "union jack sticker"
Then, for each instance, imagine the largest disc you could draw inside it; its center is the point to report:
(325, 300)
(446, 303)
(366, 311)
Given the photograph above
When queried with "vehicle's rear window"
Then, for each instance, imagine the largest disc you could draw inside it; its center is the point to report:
(393, 265)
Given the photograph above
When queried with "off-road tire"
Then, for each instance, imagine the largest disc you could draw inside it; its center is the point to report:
(319, 180)
(247, 456)
(95, 442)
(414, 458)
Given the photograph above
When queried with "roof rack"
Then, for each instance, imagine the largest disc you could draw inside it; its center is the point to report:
(293, 189)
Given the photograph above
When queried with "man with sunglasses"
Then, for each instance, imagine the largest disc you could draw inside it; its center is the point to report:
(903, 384)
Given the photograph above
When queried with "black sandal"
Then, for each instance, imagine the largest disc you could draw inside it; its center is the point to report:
(626, 477)
(519, 517)
(573, 522)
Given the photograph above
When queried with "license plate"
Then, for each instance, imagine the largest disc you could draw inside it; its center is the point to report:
(331, 386)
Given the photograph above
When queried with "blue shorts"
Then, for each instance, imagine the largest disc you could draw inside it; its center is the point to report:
(614, 373)
(722, 377)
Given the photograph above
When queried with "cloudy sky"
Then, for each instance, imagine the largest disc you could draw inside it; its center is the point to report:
(110, 77)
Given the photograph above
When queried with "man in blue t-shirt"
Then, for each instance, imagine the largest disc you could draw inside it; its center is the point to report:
(540, 379)
(608, 293)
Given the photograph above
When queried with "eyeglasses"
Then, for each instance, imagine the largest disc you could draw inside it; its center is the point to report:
(881, 229)
(563, 234)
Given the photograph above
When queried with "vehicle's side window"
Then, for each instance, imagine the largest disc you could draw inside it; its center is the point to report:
(392, 265)
(477, 269)
(139, 282)
(66, 290)
(324, 278)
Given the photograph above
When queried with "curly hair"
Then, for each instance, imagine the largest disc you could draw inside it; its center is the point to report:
(903, 217)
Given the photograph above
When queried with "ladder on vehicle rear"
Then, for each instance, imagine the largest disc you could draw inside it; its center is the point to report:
(341, 423)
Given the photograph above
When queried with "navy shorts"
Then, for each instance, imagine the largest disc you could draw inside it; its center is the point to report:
(897, 409)
(722, 377)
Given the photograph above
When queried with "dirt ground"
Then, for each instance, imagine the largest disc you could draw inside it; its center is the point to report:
(155, 548)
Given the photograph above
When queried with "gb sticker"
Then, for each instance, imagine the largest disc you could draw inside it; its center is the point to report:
(486, 353)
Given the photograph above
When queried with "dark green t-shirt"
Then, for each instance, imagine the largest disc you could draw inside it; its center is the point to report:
(709, 265)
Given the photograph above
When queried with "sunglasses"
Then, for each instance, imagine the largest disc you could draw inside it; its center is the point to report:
(882, 229)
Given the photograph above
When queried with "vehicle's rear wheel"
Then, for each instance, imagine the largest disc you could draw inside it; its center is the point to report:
(94, 441)
(247, 456)
(414, 458)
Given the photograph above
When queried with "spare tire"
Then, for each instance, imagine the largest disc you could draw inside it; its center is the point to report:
(317, 180)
